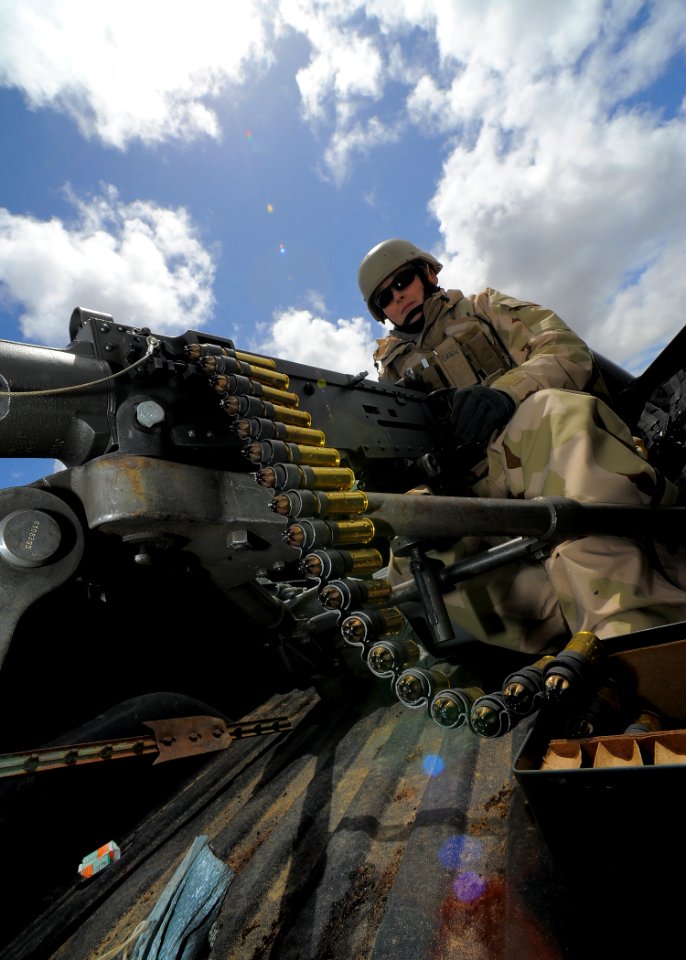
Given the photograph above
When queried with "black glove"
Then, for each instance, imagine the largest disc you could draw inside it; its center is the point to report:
(477, 412)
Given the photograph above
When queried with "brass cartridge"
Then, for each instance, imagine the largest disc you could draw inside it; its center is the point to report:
(194, 351)
(450, 708)
(523, 689)
(244, 385)
(316, 503)
(388, 658)
(490, 717)
(309, 534)
(248, 406)
(363, 627)
(278, 451)
(343, 594)
(290, 476)
(574, 667)
(323, 564)
(234, 367)
(417, 685)
(647, 721)
(198, 350)
(260, 428)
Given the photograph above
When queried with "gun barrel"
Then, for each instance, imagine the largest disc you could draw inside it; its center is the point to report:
(548, 518)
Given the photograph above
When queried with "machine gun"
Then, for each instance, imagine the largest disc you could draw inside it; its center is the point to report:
(216, 542)
(155, 561)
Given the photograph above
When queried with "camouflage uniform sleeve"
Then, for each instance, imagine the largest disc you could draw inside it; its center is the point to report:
(383, 356)
(546, 352)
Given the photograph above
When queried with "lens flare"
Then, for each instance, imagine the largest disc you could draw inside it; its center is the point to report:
(433, 765)
(282, 248)
(469, 886)
(270, 208)
(460, 851)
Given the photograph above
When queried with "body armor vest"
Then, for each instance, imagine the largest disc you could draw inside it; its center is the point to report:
(456, 351)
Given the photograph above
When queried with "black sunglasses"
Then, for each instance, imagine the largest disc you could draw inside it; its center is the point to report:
(399, 282)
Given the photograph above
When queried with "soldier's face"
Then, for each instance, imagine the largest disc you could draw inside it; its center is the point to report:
(400, 294)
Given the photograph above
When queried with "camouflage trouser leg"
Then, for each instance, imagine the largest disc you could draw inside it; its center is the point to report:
(562, 443)
(513, 606)
(567, 444)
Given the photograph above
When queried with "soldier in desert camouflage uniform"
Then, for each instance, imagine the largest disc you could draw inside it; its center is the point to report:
(527, 394)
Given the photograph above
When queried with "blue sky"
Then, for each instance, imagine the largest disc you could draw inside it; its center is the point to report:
(221, 167)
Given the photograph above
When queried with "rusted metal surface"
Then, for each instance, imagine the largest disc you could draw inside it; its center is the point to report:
(365, 832)
(173, 739)
(53, 758)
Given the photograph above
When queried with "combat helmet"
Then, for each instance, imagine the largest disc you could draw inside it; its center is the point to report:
(382, 260)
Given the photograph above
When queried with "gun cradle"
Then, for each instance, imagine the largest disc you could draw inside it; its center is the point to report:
(152, 570)
(158, 496)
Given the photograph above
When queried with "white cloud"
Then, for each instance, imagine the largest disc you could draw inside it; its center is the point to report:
(356, 138)
(131, 70)
(346, 74)
(649, 312)
(564, 189)
(555, 186)
(141, 263)
(345, 346)
(344, 64)
(316, 301)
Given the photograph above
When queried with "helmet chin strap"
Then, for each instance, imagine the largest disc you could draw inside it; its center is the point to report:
(414, 320)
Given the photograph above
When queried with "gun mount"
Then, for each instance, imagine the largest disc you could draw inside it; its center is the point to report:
(222, 524)
(162, 439)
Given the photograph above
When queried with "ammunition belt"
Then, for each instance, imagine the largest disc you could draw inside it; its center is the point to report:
(325, 512)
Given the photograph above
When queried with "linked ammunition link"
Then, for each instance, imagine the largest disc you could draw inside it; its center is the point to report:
(326, 521)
